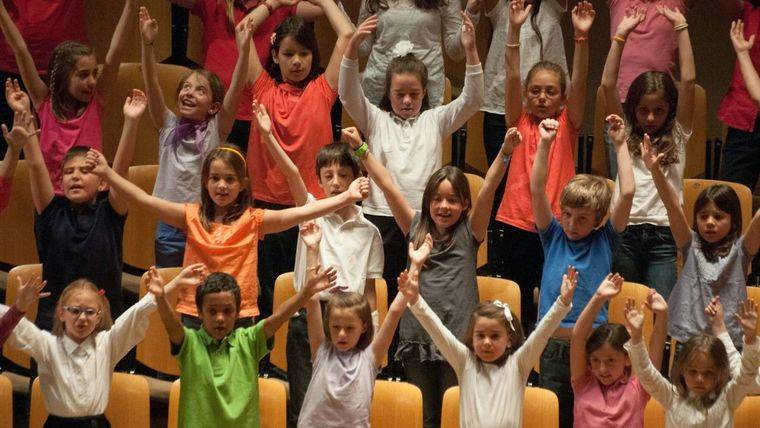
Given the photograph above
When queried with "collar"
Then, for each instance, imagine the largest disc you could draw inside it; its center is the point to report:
(210, 342)
(401, 121)
(622, 381)
(71, 347)
(358, 217)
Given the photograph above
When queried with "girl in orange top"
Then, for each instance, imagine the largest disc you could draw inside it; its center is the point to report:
(223, 230)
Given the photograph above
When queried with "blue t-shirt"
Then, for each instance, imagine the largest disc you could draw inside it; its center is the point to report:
(592, 258)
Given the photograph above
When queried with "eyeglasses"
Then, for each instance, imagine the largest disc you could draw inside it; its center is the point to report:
(76, 311)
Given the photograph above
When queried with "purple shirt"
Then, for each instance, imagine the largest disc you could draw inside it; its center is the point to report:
(618, 405)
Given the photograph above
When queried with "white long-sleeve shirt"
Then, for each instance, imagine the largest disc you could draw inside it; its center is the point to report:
(735, 361)
(490, 395)
(75, 379)
(679, 412)
(411, 149)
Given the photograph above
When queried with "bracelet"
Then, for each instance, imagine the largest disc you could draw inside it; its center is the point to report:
(618, 38)
(361, 150)
(513, 45)
(680, 27)
(269, 7)
(581, 39)
(505, 158)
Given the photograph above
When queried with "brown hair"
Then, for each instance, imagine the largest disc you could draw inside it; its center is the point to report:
(550, 67)
(587, 191)
(231, 155)
(489, 310)
(713, 348)
(77, 286)
(359, 305)
(725, 199)
(646, 83)
(461, 186)
(74, 152)
(338, 153)
(612, 334)
(407, 64)
(214, 82)
(303, 33)
(61, 65)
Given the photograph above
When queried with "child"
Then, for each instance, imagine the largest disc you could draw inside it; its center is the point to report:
(428, 24)
(75, 362)
(86, 222)
(14, 97)
(579, 239)
(69, 107)
(223, 230)
(404, 134)
(606, 393)
(204, 120)
(702, 392)
(654, 107)
(545, 96)
(493, 364)
(219, 363)
(350, 244)
(449, 284)
(716, 255)
(28, 293)
(347, 363)
(299, 99)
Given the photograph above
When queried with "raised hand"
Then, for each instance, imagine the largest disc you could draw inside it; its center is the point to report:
(192, 275)
(583, 16)
(29, 292)
(648, 155)
(610, 286)
(17, 99)
(655, 302)
(319, 280)
(633, 17)
(569, 281)
(468, 32)
(511, 140)
(616, 129)
(96, 162)
(243, 34)
(263, 122)
(351, 136)
(134, 106)
(737, 38)
(154, 282)
(634, 319)
(311, 234)
(359, 189)
(409, 285)
(419, 256)
(548, 129)
(518, 12)
(747, 317)
(23, 129)
(714, 314)
(148, 26)
(674, 15)
(364, 30)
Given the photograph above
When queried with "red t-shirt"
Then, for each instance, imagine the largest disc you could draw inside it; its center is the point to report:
(301, 124)
(219, 42)
(43, 24)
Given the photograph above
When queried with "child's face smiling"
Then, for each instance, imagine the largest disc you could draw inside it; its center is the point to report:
(196, 99)
(713, 224)
(489, 339)
(608, 364)
(80, 314)
(219, 314)
(446, 207)
(345, 329)
(223, 185)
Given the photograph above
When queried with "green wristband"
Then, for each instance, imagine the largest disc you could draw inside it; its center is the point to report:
(361, 150)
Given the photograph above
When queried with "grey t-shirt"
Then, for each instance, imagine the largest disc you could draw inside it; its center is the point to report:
(341, 387)
(448, 284)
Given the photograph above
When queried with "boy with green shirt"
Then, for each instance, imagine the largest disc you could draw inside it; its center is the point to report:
(219, 364)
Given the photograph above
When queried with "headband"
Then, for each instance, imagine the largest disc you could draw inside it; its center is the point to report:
(230, 149)
(507, 312)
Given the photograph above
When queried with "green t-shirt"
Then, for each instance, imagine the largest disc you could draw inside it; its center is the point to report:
(219, 378)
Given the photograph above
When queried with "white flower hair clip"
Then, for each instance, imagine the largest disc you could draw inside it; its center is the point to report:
(507, 312)
(402, 48)
(272, 38)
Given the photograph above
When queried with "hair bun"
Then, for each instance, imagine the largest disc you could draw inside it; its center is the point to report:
(402, 48)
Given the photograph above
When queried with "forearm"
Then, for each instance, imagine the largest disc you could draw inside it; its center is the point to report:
(384, 335)
(657, 341)
(314, 326)
(171, 322)
(538, 173)
(234, 93)
(154, 93)
(340, 23)
(277, 221)
(686, 58)
(120, 33)
(284, 311)
(287, 167)
(751, 78)
(481, 211)
(351, 93)
(585, 322)
(41, 186)
(8, 165)
(612, 66)
(513, 93)
(126, 149)
(621, 208)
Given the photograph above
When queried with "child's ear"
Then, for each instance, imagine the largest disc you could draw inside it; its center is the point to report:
(102, 186)
(214, 108)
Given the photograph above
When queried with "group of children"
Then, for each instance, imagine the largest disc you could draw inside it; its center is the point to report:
(228, 214)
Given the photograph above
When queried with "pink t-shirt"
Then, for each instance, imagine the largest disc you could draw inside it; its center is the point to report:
(219, 43)
(516, 207)
(57, 137)
(651, 46)
(43, 24)
(618, 405)
(5, 192)
(301, 124)
(737, 109)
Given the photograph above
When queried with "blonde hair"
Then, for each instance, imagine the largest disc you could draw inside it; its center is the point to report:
(77, 286)
(357, 304)
(587, 191)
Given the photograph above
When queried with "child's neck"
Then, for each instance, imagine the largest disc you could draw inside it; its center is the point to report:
(346, 213)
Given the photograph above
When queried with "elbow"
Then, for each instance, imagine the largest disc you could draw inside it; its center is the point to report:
(346, 35)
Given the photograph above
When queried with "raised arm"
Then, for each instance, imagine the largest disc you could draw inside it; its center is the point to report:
(311, 235)
(277, 221)
(156, 105)
(349, 80)
(714, 314)
(37, 88)
(39, 178)
(542, 209)
(608, 289)
(344, 30)
(679, 227)
(481, 209)
(257, 17)
(284, 163)
(742, 48)
(134, 107)
(402, 212)
(659, 307)
(191, 275)
(110, 71)
(685, 111)
(384, 336)
(621, 207)
(171, 213)
(583, 16)
(633, 17)
(752, 235)
(451, 21)
(518, 13)
(243, 33)
(740, 386)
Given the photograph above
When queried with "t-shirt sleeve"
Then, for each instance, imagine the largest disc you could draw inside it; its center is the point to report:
(257, 221)
(181, 351)
(170, 122)
(613, 237)
(550, 234)
(257, 339)
(262, 84)
(325, 90)
(376, 256)
(580, 384)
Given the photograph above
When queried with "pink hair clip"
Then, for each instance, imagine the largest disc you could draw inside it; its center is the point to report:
(101, 292)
